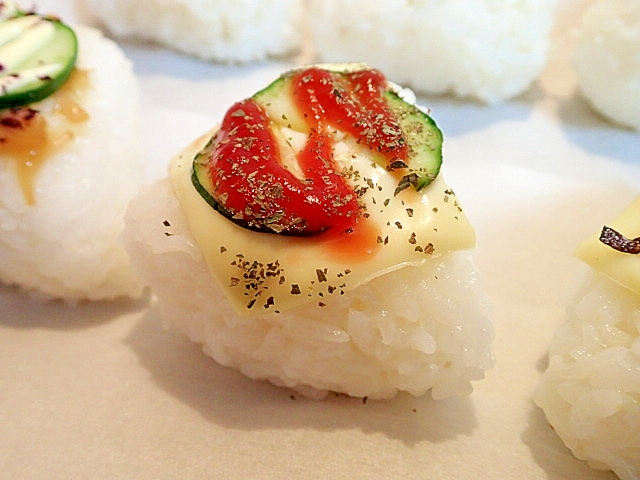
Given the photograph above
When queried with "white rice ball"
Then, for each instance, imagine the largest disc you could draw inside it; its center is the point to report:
(607, 59)
(483, 49)
(224, 31)
(590, 392)
(66, 244)
(414, 330)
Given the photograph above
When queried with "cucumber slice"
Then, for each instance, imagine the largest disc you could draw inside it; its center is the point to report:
(277, 100)
(37, 55)
(420, 130)
(405, 141)
(200, 178)
(425, 144)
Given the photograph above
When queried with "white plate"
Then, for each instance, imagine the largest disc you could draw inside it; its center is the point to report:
(103, 391)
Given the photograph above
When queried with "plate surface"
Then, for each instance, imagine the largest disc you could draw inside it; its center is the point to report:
(103, 391)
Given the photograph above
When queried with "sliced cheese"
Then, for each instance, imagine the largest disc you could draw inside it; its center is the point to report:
(263, 272)
(622, 268)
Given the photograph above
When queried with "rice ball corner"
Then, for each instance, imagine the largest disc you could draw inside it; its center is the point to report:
(607, 60)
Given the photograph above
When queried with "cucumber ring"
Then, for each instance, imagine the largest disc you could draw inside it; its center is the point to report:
(37, 56)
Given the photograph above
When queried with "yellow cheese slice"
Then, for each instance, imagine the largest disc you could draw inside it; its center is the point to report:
(622, 268)
(264, 272)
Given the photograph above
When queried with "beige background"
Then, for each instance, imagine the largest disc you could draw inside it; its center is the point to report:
(103, 391)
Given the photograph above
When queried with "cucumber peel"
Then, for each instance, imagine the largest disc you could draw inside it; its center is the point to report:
(37, 56)
(425, 143)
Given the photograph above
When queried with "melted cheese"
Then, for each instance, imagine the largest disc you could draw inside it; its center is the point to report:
(622, 268)
(262, 272)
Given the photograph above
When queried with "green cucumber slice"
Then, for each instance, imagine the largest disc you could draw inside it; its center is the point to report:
(425, 143)
(277, 100)
(417, 169)
(37, 55)
(200, 178)
(421, 132)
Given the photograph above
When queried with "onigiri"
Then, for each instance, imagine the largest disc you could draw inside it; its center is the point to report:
(590, 392)
(485, 50)
(221, 31)
(319, 269)
(62, 201)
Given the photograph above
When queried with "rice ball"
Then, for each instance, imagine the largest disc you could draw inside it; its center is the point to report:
(487, 50)
(414, 330)
(238, 31)
(607, 59)
(590, 392)
(60, 224)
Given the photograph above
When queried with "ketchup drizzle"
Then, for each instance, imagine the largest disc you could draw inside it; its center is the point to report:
(353, 103)
(254, 188)
(257, 190)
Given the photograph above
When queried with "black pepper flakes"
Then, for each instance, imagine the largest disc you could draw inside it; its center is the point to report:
(255, 278)
(407, 181)
(322, 275)
(396, 165)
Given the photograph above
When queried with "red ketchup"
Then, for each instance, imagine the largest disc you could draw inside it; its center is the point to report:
(254, 188)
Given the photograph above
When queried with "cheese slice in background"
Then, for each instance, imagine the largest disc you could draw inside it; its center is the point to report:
(268, 273)
(623, 268)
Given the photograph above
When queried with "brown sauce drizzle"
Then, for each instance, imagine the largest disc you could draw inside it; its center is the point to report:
(66, 103)
(26, 138)
(619, 242)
